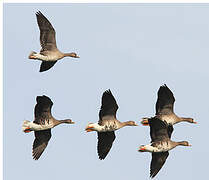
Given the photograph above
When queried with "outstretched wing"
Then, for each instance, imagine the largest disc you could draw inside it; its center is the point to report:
(42, 109)
(41, 140)
(47, 33)
(105, 141)
(46, 65)
(109, 106)
(158, 160)
(159, 130)
(165, 101)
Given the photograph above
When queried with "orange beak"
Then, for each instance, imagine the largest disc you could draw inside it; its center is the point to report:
(194, 122)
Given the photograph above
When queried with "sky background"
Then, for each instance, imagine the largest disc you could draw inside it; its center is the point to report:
(131, 49)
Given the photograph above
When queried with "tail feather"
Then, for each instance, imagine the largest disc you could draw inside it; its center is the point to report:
(26, 126)
(31, 54)
(145, 122)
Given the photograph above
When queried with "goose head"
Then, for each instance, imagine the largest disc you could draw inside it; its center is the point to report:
(130, 123)
(74, 55)
(67, 121)
(191, 120)
(184, 143)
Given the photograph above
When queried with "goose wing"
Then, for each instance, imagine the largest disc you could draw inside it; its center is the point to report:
(158, 160)
(46, 65)
(41, 140)
(105, 141)
(165, 101)
(159, 130)
(47, 33)
(109, 106)
(43, 109)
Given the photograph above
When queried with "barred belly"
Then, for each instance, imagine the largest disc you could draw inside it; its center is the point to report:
(110, 127)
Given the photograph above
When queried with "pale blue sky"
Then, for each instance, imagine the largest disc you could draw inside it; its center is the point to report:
(131, 49)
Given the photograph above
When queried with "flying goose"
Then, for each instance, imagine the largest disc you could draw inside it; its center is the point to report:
(49, 53)
(107, 124)
(160, 133)
(164, 108)
(42, 125)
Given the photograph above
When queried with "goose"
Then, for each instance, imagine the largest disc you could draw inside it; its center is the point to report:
(42, 125)
(49, 53)
(160, 133)
(164, 108)
(107, 124)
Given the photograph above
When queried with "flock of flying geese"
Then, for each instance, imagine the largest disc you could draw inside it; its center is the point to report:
(161, 125)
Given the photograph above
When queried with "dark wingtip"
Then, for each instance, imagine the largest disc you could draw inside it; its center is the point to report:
(108, 91)
(153, 174)
(36, 155)
(43, 98)
(35, 158)
(101, 158)
(41, 69)
(38, 13)
(164, 86)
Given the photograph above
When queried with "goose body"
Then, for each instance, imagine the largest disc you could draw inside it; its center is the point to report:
(164, 108)
(160, 133)
(49, 53)
(107, 124)
(161, 146)
(42, 125)
(48, 56)
(31, 126)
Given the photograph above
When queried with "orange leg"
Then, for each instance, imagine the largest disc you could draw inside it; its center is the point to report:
(27, 130)
(32, 57)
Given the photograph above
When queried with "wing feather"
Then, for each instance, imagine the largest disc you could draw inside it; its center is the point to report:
(46, 65)
(105, 141)
(158, 160)
(159, 130)
(109, 106)
(42, 109)
(47, 33)
(40, 143)
(165, 101)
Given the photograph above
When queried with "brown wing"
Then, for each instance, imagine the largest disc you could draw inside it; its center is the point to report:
(41, 140)
(109, 106)
(165, 101)
(105, 141)
(158, 160)
(43, 110)
(46, 65)
(47, 33)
